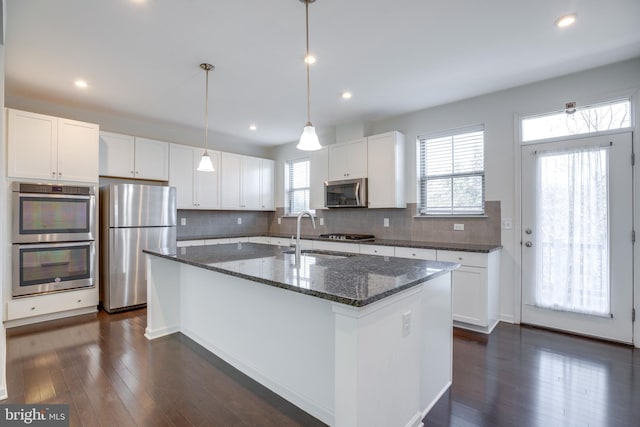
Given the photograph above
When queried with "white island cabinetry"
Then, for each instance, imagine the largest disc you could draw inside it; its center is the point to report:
(51, 148)
(346, 365)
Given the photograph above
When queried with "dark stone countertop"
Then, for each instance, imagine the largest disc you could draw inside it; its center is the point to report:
(352, 279)
(464, 247)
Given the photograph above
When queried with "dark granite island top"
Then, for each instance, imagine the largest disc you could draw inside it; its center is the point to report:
(352, 279)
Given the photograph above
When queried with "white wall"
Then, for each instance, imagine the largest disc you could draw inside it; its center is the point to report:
(499, 113)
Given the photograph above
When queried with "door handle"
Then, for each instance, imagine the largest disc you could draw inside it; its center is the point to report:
(528, 244)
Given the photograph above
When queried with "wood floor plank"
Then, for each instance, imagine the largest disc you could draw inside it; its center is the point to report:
(109, 374)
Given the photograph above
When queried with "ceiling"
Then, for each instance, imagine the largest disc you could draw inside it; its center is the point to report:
(141, 57)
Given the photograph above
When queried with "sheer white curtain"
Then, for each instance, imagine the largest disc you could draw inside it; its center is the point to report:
(573, 231)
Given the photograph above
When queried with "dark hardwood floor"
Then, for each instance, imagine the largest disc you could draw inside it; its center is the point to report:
(110, 375)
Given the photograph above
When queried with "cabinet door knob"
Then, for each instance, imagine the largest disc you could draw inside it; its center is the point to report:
(33, 308)
(53, 174)
(59, 173)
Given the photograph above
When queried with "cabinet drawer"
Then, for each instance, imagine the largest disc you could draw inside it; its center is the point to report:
(416, 253)
(473, 259)
(353, 248)
(377, 250)
(53, 303)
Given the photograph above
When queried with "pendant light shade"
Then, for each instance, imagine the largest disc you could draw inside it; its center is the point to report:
(206, 165)
(309, 139)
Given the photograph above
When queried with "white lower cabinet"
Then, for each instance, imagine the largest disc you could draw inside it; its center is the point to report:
(476, 287)
(377, 250)
(336, 246)
(52, 304)
(416, 253)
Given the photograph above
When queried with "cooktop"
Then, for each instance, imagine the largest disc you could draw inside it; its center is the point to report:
(347, 236)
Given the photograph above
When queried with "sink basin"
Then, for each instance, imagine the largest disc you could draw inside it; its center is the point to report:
(319, 254)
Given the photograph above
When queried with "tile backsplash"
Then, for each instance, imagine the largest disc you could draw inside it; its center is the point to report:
(402, 224)
(200, 224)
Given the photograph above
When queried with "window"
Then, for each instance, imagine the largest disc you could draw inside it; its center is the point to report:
(451, 172)
(296, 186)
(589, 119)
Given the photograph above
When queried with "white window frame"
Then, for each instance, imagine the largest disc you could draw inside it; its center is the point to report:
(288, 191)
(615, 100)
(422, 210)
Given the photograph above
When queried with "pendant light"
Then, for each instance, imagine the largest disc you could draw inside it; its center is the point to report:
(309, 139)
(206, 165)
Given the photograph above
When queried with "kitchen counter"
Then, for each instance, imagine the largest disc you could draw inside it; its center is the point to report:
(463, 247)
(352, 279)
(354, 340)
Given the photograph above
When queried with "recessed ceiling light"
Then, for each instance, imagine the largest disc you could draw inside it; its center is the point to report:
(346, 95)
(566, 21)
(310, 59)
(253, 127)
(81, 84)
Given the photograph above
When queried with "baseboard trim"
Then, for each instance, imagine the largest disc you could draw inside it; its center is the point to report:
(435, 400)
(162, 332)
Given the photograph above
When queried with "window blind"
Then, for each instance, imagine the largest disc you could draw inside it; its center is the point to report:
(298, 188)
(451, 173)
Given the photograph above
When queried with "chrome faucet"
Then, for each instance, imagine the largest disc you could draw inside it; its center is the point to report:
(313, 221)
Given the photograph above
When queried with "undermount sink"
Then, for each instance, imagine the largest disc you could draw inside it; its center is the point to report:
(319, 254)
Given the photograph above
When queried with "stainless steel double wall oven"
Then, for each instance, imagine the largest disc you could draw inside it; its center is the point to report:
(54, 232)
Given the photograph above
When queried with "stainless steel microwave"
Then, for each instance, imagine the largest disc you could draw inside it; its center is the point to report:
(348, 193)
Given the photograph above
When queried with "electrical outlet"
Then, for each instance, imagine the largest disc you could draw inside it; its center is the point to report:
(385, 222)
(321, 221)
(458, 227)
(406, 323)
(279, 221)
(507, 224)
(183, 221)
(239, 220)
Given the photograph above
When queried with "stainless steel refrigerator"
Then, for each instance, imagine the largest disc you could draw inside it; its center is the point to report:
(132, 217)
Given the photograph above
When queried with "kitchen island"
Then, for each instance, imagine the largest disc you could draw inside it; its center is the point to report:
(354, 340)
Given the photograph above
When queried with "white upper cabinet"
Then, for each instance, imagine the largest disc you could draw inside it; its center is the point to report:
(386, 170)
(348, 160)
(267, 181)
(246, 182)
(319, 173)
(250, 183)
(133, 157)
(151, 159)
(51, 148)
(194, 190)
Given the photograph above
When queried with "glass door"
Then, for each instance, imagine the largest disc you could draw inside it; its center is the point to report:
(577, 248)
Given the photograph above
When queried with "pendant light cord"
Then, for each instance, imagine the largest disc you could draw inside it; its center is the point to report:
(307, 62)
(206, 113)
